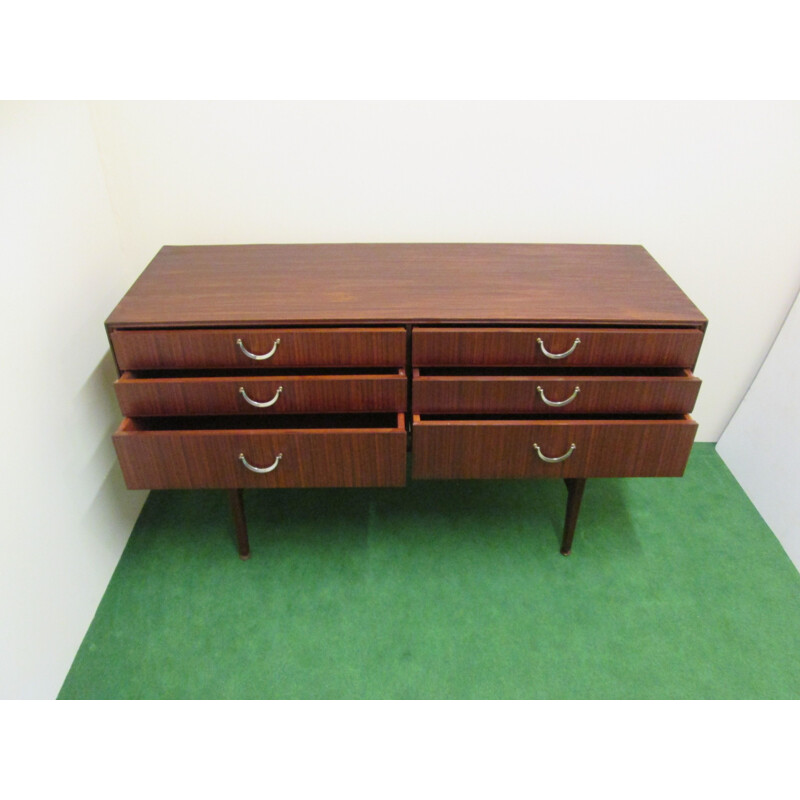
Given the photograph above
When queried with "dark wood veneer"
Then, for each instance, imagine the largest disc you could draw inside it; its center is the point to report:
(277, 284)
(520, 347)
(504, 448)
(516, 394)
(176, 396)
(298, 347)
(203, 459)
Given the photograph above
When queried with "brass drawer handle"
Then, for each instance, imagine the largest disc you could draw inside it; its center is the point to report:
(260, 470)
(257, 357)
(546, 352)
(255, 403)
(554, 460)
(557, 403)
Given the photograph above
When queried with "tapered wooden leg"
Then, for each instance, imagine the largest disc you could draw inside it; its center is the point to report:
(236, 497)
(575, 487)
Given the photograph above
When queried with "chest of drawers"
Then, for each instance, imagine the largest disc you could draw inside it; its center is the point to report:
(266, 366)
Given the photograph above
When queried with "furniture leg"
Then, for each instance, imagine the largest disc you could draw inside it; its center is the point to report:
(575, 487)
(236, 497)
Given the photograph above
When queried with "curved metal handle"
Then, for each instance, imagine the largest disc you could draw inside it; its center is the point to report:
(558, 403)
(260, 470)
(257, 357)
(255, 403)
(566, 353)
(554, 460)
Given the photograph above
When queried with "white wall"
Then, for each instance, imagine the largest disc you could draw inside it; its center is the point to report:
(65, 515)
(762, 442)
(711, 189)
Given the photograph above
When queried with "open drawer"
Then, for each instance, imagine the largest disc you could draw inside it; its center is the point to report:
(262, 452)
(560, 448)
(569, 391)
(144, 394)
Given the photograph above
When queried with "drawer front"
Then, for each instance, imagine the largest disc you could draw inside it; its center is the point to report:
(207, 459)
(177, 396)
(284, 347)
(549, 394)
(590, 347)
(505, 448)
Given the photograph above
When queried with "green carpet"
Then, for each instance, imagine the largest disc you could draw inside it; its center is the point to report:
(675, 588)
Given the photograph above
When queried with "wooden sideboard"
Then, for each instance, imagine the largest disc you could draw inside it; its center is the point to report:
(267, 366)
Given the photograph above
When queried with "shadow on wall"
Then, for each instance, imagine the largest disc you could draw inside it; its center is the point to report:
(111, 512)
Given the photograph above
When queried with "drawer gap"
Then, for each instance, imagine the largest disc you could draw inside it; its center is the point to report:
(271, 422)
(529, 372)
(468, 418)
(274, 373)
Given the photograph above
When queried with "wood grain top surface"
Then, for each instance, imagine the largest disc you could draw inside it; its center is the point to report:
(332, 284)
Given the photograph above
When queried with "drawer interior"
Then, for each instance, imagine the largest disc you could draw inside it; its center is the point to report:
(266, 373)
(539, 418)
(361, 422)
(542, 372)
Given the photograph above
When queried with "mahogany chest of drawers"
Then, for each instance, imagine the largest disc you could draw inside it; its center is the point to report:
(265, 366)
